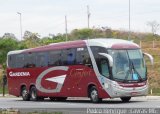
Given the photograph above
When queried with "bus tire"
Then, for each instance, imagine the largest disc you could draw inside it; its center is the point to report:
(25, 94)
(125, 99)
(93, 93)
(52, 98)
(33, 94)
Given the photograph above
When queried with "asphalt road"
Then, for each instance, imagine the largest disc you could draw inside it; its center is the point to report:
(80, 105)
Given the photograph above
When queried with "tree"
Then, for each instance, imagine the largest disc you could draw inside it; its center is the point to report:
(81, 33)
(154, 27)
(46, 40)
(9, 35)
(6, 45)
(31, 39)
(107, 31)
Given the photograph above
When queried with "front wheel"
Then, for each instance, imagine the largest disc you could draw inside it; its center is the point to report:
(94, 95)
(125, 99)
(25, 94)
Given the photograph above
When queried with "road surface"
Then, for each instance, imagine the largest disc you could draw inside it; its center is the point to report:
(80, 105)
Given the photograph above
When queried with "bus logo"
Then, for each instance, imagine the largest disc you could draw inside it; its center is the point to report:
(58, 79)
(19, 74)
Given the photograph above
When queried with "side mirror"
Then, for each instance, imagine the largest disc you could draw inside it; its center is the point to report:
(150, 57)
(109, 57)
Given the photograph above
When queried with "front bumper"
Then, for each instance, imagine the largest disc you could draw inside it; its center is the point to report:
(119, 91)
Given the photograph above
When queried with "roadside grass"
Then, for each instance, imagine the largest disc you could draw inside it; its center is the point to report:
(1, 90)
(155, 92)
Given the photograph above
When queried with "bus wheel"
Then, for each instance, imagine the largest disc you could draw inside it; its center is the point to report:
(125, 99)
(52, 98)
(25, 94)
(94, 95)
(33, 94)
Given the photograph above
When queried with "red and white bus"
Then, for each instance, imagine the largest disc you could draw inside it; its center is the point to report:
(94, 68)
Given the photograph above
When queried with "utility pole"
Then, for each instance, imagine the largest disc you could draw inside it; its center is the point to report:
(66, 28)
(20, 23)
(129, 32)
(88, 15)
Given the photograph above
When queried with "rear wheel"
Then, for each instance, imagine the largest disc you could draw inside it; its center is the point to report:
(33, 93)
(94, 95)
(25, 94)
(125, 99)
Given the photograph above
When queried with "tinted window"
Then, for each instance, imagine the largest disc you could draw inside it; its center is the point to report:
(30, 60)
(20, 60)
(83, 57)
(41, 59)
(103, 67)
(54, 58)
(101, 61)
(12, 61)
(69, 56)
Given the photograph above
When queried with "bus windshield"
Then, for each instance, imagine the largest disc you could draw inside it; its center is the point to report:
(128, 65)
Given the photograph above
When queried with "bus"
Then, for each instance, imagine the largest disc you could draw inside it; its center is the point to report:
(94, 68)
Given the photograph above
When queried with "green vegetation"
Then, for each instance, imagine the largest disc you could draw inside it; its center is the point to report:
(1, 90)
(149, 42)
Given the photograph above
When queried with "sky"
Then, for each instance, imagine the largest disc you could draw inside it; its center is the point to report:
(48, 16)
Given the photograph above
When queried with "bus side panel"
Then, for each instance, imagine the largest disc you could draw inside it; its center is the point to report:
(76, 82)
(16, 81)
(78, 79)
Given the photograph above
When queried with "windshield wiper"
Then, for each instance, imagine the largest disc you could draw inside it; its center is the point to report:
(140, 78)
(132, 70)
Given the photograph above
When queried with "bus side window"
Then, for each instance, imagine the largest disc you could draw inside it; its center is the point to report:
(69, 56)
(30, 60)
(79, 56)
(83, 57)
(41, 59)
(102, 62)
(103, 68)
(20, 60)
(86, 58)
(12, 61)
(54, 58)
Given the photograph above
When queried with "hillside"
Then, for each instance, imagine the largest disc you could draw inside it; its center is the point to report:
(153, 71)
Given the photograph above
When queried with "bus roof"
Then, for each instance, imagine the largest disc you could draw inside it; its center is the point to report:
(103, 42)
(112, 43)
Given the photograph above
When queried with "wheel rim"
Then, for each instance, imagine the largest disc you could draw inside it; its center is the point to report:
(24, 93)
(33, 94)
(94, 95)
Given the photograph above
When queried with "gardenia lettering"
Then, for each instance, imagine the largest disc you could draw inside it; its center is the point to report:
(19, 74)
